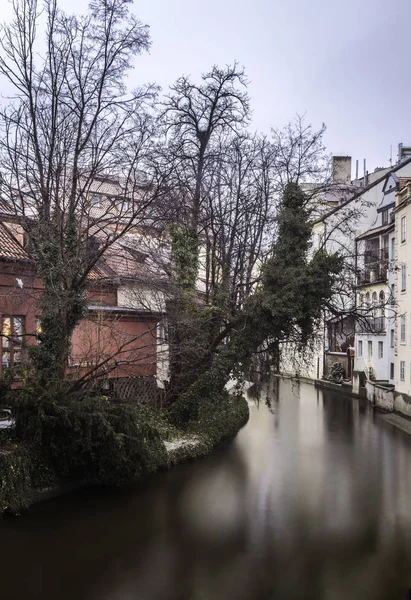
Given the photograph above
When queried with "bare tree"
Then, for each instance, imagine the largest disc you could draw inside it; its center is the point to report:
(194, 116)
(74, 150)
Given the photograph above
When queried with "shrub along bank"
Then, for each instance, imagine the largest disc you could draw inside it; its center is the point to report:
(93, 442)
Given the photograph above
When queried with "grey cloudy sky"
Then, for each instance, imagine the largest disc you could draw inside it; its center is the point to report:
(343, 63)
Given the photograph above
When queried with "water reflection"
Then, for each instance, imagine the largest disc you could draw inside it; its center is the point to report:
(311, 500)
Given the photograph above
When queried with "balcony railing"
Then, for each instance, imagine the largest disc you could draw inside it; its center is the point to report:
(372, 274)
(375, 256)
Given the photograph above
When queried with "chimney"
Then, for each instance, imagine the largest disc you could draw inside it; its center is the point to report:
(341, 169)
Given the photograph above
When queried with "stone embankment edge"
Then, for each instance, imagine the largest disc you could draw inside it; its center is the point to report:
(392, 417)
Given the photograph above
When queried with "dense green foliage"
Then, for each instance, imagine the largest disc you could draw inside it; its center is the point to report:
(288, 304)
(91, 441)
(90, 438)
(22, 469)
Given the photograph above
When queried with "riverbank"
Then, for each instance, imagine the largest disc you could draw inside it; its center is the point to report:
(388, 415)
(25, 480)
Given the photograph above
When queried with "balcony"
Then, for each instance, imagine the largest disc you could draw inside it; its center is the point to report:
(372, 274)
(372, 257)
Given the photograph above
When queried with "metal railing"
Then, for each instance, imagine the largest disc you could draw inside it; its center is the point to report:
(375, 256)
(372, 275)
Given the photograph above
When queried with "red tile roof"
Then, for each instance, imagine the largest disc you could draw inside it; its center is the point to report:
(10, 249)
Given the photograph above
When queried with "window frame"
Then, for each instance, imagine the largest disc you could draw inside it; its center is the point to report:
(403, 328)
(380, 349)
(403, 229)
(403, 277)
(12, 346)
(402, 370)
(95, 201)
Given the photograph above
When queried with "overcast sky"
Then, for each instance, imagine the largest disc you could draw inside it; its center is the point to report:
(342, 63)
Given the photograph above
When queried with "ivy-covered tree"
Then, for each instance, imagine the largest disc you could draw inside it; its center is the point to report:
(70, 125)
(290, 298)
(194, 118)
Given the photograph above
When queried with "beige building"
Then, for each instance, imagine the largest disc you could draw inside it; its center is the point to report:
(402, 360)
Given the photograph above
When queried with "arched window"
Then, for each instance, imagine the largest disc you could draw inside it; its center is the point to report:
(382, 300)
(367, 301)
(361, 302)
(374, 304)
(382, 311)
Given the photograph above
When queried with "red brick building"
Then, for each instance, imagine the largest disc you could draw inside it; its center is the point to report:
(113, 340)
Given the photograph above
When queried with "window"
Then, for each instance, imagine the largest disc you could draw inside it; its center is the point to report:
(39, 330)
(95, 201)
(384, 215)
(402, 370)
(369, 349)
(392, 338)
(403, 229)
(361, 302)
(12, 341)
(382, 311)
(402, 321)
(162, 332)
(380, 350)
(374, 310)
(360, 348)
(123, 205)
(374, 304)
(392, 248)
(391, 370)
(392, 296)
(403, 278)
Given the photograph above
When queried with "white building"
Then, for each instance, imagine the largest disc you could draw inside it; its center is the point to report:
(356, 222)
(381, 285)
(402, 358)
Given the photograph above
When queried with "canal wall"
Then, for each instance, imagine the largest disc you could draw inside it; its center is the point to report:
(343, 388)
(402, 404)
(380, 395)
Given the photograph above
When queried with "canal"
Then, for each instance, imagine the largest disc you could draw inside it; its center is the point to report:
(311, 500)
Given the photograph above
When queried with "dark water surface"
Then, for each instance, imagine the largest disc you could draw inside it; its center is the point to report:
(311, 500)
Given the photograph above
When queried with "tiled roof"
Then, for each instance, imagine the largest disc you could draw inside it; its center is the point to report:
(5, 207)
(138, 257)
(99, 271)
(10, 249)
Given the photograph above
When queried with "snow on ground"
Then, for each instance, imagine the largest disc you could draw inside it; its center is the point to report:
(181, 442)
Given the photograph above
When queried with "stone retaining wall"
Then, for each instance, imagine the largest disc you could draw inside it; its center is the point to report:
(381, 396)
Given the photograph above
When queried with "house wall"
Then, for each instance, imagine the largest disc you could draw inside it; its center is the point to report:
(140, 296)
(403, 257)
(95, 338)
(19, 302)
(126, 343)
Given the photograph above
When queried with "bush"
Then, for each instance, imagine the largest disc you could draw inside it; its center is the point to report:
(91, 439)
